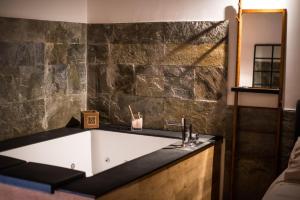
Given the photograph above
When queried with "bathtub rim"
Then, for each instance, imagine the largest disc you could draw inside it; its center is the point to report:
(83, 187)
(62, 132)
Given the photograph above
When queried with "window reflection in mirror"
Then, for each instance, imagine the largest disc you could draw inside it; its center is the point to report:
(260, 50)
(266, 65)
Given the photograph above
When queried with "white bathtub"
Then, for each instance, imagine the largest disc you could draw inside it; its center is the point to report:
(90, 151)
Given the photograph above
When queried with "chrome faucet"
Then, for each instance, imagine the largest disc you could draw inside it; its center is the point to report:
(186, 136)
(187, 133)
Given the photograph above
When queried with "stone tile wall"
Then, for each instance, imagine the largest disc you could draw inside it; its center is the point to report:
(42, 75)
(255, 167)
(163, 70)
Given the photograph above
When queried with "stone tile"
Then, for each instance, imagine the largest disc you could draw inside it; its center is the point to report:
(34, 30)
(99, 33)
(138, 54)
(209, 83)
(97, 80)
(76, 71)
(9, 89)
(61, 108)
(27, 127)
(149, 86)
(227, 174)
(149, 70)
(174, 110)
(22, 118)
(119, 112)
(150, 32)
(22, 30)
(179, 71)
(152, 111)
(176, 87)
(218, 122)
(30, 54)
(76, 53)
(256, 144)
(8, 56)
(31, 109)
(125, 80)
(38, 60)
(76, 82)
(111, 78)
(101, 104)
(21, 54)
(258, 120)
(39, 53)
(250, 173)
(97, 54)
(208, 117)
(32, 83)
(65, 32)
(8, 65)
(195, 55)
(228, 123)
(56, 54)
(6, 132)
(5, 121)
(124, 33)
(56, 79)
(200, 113)
(195, 32)
(288, 123)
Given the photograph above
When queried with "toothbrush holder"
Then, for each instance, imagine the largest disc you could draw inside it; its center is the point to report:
(137, 123)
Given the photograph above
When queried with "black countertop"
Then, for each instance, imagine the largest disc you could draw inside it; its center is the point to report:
(118, 176)
(39, 176)
(99, 184)
(7, 162)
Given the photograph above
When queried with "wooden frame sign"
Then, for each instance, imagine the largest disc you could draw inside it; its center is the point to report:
(90, 119)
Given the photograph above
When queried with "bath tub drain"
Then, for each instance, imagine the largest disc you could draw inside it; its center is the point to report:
(107, 160)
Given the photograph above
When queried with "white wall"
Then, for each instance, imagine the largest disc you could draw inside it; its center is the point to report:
(108, 11)
(292, 81)
(52, 10)
(257, 29)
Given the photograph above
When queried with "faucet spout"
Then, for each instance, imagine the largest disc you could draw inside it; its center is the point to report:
(183, 130)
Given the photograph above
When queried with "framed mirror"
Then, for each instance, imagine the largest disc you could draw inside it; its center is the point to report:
(262, 49)
(266, 65)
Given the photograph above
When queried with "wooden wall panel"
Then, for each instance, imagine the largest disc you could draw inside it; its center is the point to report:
(10, 192)
(190, 179)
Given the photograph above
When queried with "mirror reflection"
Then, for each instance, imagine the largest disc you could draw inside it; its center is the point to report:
(266, 66)
(261, 50)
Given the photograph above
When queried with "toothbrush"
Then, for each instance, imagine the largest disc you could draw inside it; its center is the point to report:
(131, 112)
(139, 115)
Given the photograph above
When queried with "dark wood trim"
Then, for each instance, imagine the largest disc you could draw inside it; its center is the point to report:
(238, 89)
(259, 107)
(255, 90)
(281, 92)
(236, 96)
(239, 45)
(233, 149)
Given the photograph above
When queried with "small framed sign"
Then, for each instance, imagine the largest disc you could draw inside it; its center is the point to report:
(90, 119)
